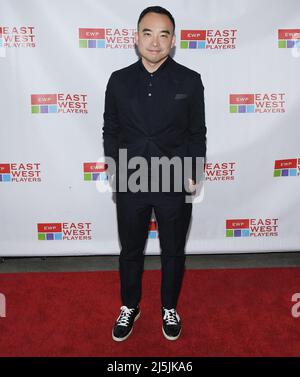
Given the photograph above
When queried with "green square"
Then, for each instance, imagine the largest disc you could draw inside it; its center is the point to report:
(277, 173)
(184, 44)
(35, 109)
(87, 176)
(229, 232)
(41, 236)
(282, 44)
(233, 108)
(83, 43)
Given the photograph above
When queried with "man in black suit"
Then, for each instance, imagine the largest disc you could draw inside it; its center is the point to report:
(154, 108)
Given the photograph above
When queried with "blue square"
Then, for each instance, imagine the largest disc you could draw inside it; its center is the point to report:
(250, 109)
(192, 44)
(103, 176)
(44, 109)
(95, 176)
(290, 44)
(242, 108)
(284, 172)
(58, 236)
(49, 236)
(293, 172)
(101, 43)
(1, 43)
(6, 178)
(245, 233)
(237, 233)
(152, 234)
(91, 43)
(201, 44)
(297, 43)
(52, 109)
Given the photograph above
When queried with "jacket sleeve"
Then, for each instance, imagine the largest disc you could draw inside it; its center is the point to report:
(111, 127)
(197, 129)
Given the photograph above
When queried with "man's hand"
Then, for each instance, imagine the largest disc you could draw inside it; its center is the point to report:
(192, 185)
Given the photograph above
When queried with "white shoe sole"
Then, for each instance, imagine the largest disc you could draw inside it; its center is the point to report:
(125, 337)
(170, 337)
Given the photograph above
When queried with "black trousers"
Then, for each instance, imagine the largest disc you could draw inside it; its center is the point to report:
(173, 216)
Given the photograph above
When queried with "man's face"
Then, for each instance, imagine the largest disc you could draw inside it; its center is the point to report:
(155, 37)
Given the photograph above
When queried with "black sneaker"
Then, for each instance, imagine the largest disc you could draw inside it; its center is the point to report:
(124, 324)
(171, 327)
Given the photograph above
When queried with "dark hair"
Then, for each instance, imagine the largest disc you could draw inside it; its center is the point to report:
(159, 10)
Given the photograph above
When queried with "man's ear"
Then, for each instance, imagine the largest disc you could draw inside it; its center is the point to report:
(173, 40)
(136, 37)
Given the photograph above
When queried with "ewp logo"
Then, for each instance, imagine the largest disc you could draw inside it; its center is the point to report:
(238, 228)
(95, 171)
(91, 38)
(287, 168)
(288, 38)
(43, 103)
(2, 306)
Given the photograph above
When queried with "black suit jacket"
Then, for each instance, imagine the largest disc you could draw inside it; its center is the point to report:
(180, 127)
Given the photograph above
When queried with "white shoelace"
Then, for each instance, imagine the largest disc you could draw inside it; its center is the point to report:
(123, 319)
(171, 316)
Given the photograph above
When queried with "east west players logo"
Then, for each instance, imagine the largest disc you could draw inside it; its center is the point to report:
(252, 227)
(210, 39)
(20, 172)
(59, 103)
(110, 38)
(69, 231)
(257, 103)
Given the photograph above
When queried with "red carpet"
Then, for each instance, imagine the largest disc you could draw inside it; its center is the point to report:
(232, 312)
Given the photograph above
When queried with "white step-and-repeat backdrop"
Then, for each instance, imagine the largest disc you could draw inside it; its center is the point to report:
(55, 59)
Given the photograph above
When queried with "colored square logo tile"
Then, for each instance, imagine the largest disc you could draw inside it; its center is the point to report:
(237, 233)
(6, 178)
(41, 236)
(82, 43)
(96, 176)
(233, 108)
(87, 176)
(101, 43)
(192, 44)
(49, 236)
(58, 236)
(277, 173)
(297, 43)
(184, 44)
(293, 172)
(201, 44)
(290, 44)
(92, 43)
(35, 109)
(229, 233)
(242, 108)
(250, 109)
(151, 234)
(282, 44)
(245, 233)
(52, 109)
(284, 172)
(1, 43)
(44, 109)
